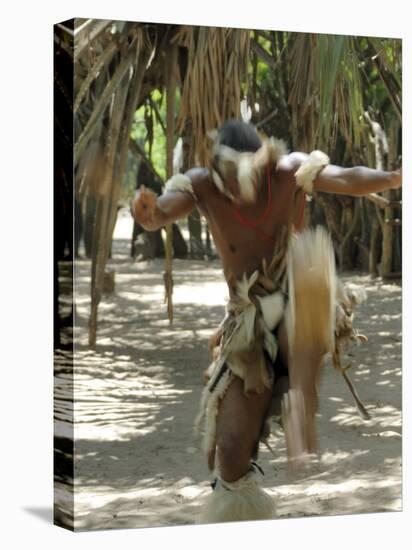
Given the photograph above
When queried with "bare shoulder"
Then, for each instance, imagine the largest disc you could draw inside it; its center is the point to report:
(291, 163)
(198, 176)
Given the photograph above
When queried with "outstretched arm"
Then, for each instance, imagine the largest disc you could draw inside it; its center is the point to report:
(153, 212)
(357, 181)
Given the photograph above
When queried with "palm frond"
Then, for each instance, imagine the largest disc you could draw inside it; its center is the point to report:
(212, 89)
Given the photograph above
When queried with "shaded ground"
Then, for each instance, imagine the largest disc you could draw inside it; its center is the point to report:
(137, 462)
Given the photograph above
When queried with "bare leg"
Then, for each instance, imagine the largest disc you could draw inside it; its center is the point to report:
(238, 495)
(305, 368)
(239, 423)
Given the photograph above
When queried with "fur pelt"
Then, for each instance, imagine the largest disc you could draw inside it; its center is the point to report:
(236, 346)
(179, 182)
(310, 315)
(310, 324)
(347, 298)
(242, 500)
(245, 166)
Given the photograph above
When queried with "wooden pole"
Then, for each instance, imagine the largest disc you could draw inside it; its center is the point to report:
(102, 104)
(374, 248)
(382, 202)
(100, 250)
(124, 139)
(381, 154)
(170, 123)
(388, 230)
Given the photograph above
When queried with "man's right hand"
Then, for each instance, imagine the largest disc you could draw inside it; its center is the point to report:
(144, 206)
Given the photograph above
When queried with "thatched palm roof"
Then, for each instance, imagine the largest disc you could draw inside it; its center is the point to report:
(116, 67)
(318, 90)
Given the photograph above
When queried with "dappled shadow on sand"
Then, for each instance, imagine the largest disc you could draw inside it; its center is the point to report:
(137, 395)
(359, 465)
(137, 462)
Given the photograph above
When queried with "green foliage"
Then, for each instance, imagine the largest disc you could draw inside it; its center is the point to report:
(152, 140)
(318, 86)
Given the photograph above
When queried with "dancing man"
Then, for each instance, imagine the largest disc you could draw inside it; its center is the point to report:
(280, 320)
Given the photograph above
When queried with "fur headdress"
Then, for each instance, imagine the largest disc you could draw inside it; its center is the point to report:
(244, 166)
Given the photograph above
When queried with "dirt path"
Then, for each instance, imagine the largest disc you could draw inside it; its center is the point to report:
(138, 463)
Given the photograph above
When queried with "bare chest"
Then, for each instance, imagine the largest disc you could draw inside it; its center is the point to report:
(244, 236)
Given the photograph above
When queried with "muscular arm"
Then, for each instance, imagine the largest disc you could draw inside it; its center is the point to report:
(153, 212)
(358, 181)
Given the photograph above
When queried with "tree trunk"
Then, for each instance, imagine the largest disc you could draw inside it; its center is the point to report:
(179, 244)
(89, 218)
(105, 206)
(195, 230)
(374, 248)
(390, 246)
(387, 238)
(170, 125)
(346, 250)
(194, 221)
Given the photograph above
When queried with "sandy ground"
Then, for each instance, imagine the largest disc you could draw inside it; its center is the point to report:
(137, 461)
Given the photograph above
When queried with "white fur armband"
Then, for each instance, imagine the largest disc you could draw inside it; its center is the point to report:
(310, 169)
(180, 182)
